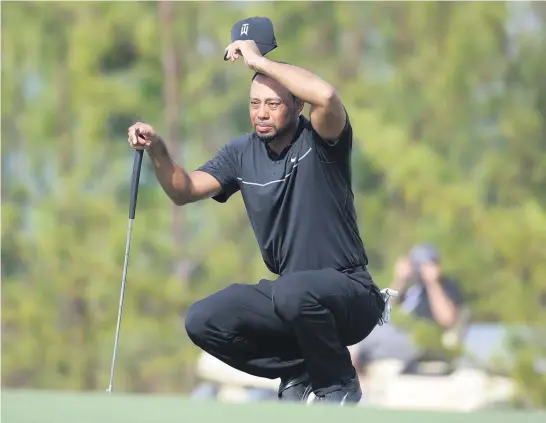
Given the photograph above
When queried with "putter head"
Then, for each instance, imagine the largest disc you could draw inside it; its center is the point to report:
(258, 29)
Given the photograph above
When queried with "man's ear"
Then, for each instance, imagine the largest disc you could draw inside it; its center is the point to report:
(299, 105)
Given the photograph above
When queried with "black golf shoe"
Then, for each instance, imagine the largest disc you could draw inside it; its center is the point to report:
(348, 393)
(295, 389)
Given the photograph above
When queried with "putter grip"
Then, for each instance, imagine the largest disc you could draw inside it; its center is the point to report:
(134, 183)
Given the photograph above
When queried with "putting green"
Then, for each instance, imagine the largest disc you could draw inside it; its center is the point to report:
(60, 407)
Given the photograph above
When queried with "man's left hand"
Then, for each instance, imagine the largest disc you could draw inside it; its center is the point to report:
(247, 49)
(430, 273)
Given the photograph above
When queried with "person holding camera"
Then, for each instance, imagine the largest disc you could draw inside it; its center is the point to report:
(425, 293)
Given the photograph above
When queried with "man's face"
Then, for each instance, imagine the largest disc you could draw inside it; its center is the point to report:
(420, 268)
(273, 109)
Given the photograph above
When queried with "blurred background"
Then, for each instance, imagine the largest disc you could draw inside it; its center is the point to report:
(448, 105)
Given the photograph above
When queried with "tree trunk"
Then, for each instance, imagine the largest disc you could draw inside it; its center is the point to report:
(171, 90)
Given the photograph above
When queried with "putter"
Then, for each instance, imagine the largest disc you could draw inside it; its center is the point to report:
(132, 208)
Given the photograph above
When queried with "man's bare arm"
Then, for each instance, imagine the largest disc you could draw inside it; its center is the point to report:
(444, 311)
(327, 112)
(181, 187)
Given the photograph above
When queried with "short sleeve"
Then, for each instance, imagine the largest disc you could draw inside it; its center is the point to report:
(340, 148)
(223, 167)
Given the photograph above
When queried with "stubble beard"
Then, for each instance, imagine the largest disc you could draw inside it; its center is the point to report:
(266, 139)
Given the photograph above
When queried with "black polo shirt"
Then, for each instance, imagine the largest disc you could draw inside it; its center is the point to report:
(300, 203)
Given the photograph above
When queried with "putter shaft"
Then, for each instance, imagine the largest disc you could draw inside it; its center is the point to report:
(120, 309)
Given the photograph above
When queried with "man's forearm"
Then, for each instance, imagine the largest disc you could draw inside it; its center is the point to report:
(173, 179)
(443, 309)
(303, 84)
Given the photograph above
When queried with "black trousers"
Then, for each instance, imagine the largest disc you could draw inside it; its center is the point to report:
(300, 322)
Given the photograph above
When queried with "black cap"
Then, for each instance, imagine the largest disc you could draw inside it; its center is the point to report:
(423, 253)
(258, 29)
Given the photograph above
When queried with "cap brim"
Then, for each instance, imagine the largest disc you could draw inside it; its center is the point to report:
(266, 48)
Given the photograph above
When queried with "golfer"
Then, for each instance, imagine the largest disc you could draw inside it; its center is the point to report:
(295, 179)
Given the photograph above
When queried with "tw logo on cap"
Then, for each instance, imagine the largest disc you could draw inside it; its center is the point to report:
(244, 29)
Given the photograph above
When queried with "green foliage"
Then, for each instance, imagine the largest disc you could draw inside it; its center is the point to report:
(448, 104)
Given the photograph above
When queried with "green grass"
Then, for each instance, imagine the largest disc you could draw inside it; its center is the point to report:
(60, 407)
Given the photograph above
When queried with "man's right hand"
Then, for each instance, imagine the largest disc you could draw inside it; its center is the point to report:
(402, 273)
(142, 136)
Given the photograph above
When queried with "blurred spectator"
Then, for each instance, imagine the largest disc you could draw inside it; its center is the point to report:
(425, 293)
